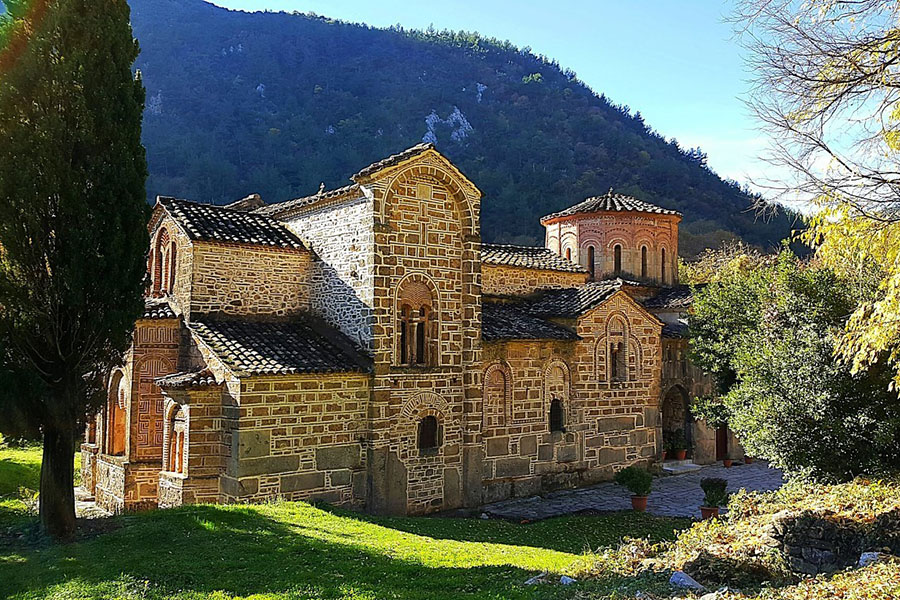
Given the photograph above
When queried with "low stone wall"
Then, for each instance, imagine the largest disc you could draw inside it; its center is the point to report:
(89, 466)
(820, 542)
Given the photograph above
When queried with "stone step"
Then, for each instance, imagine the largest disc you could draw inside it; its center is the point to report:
(684, 466)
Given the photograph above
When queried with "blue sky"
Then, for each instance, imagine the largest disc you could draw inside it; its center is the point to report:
(673, 60)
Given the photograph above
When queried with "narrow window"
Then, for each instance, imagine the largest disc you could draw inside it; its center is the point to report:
(643, 262)
(404, 341)
(662, 263)
(556, 415)
(428, 433)
(420, 337)
(416, 331)
(618, 368)
(590, 259)
(617, 254)
(170, 285)
(569, 253)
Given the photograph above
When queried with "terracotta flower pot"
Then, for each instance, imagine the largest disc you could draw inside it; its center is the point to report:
(639, 503)
(680, 454)
(663, 457)
(748, 460)
(709, 512)
(727, 462)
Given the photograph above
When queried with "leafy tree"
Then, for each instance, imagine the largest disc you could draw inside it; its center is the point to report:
(72, 223)
(828, 87)
(768, 335)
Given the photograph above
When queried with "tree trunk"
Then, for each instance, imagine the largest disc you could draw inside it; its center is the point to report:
(57, 498)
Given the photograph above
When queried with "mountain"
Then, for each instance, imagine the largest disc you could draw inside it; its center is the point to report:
(277, 103)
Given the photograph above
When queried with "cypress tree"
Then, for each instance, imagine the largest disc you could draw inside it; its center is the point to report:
(73, 215)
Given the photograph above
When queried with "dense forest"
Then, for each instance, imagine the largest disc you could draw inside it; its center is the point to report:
(278, 103)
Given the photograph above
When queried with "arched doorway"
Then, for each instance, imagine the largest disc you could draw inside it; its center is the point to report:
(676, 414)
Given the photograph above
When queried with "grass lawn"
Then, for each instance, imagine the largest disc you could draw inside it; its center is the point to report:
(294, 550)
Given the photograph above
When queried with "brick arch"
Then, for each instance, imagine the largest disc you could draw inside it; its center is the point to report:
(553, 244)
(425, 404)
(431, 171)
(116, 415)
(171, 409)
(635, 349)
(505, 409)
(548, 371)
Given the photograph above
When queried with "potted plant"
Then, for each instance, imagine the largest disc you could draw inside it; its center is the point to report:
(678, 444)
(639, 482)
(714, 496)
(727, 461)
(748, 460)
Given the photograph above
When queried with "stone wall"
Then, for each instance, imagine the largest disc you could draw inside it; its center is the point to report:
(299, 437)
(249, 280)
(426, 236)
(632, 231)
(608, 424)
(89, 466)
(503, 280)
(341, 276)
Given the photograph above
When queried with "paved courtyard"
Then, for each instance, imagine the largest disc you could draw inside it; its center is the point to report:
(672, 496)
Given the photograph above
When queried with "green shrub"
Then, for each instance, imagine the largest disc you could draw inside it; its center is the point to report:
(714, 491)
(675, 440)
(638, 481)
(710, 410)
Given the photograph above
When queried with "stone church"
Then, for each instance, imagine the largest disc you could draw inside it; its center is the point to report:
(363, 347)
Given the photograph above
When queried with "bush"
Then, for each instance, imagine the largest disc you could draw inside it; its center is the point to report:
(710, 410)
(638, 481)
(675, 440)
(714, 491)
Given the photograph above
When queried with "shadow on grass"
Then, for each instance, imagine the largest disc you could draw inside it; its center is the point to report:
(242, 551)
(572, 534)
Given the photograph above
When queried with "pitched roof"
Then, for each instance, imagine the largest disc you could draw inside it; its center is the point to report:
(676, 331)
(246, 204)
(218, 224)
(392, 160)
(280, 208)
(572, 302)
(501, 321)
(203, 377)
(257, 348)
(678, 297)
(158, 308)
(529, 257)
(611, 202)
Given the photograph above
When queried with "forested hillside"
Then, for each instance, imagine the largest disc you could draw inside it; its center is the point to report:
(277, 104)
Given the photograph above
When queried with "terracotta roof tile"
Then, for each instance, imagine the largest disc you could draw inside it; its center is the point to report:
(282, 208)
(501, 321)
(572, 302)
(201, 378)
(529, 257)
(158, 308)
(676, 331)
(611, 202)
(392, 160)
(257, 348)
(678, 297)
(218, 224)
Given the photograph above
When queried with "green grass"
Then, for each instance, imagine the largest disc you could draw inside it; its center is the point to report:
(295, 550)
(20, 474)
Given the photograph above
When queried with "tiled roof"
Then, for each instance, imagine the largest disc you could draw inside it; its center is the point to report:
(572, 302)
(675, 331)
(217, 224)
(530, 257)
(611, 203)
(158, 308)
(258, 348)
(200, 378)
(247, 204)
(392, 160)
(500, 321)
(272, 210)
(678, 297)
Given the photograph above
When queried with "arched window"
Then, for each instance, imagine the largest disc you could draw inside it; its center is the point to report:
(557, 418)
(177, 427)
(590, 260)
(617, 258)
(662, 265)
(116, 418)
(428, 433)
(569, 253)
(643, 262)
(417, 326)
(163, 264)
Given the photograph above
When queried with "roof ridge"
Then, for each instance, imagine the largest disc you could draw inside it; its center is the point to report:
(304, 201)
(392, 160)
(611, 202)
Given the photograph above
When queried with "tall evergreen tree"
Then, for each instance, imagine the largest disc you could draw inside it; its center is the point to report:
(73, 235)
